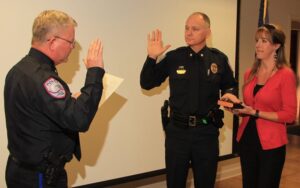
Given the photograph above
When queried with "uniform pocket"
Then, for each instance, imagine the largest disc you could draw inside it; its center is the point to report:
(178, 84)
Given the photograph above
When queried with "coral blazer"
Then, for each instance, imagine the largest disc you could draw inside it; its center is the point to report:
(278, 95)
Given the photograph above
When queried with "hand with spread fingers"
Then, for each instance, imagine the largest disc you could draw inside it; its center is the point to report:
(155, 44)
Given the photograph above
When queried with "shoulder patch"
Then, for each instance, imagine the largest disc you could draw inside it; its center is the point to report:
(54, 88)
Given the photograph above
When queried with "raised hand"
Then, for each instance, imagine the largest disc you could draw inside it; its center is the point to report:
(95, 55)
(155, 45)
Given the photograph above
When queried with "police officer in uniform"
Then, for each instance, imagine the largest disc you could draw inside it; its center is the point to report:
(43, 118)
(196, 74)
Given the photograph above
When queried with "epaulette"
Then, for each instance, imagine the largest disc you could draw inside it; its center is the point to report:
(179, 49)
(215, 50)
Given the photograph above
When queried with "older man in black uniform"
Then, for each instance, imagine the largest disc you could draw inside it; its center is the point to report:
(196, 74)
(43, 118)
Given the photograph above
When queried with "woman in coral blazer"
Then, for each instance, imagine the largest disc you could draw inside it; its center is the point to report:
(269, 94)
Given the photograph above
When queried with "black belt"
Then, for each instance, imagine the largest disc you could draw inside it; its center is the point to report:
(189, 120)
(26, 165)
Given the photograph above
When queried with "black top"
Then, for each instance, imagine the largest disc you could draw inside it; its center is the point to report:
(250, 136)
(41, 115)
(195, 78)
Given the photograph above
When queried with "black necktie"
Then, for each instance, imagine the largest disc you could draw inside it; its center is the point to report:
(77, 150)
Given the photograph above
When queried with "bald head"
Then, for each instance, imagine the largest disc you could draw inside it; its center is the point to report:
(202, 16)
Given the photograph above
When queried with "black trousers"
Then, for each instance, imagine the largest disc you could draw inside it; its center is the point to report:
(19, 177)
(261, 168)
(197, 147)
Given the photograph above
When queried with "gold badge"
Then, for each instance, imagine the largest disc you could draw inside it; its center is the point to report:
(214, 68)
(181, 70)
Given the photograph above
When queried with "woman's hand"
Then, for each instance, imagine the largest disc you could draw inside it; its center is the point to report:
(247, 110)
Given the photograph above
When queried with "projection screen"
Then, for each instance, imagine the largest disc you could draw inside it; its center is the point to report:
(126, 137)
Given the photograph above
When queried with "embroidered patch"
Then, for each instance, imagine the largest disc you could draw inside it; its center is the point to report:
(54, 88)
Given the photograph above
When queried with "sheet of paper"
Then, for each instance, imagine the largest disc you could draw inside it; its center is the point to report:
(110, 85)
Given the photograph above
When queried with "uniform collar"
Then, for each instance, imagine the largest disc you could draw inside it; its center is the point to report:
(42, 58)
(201, 53)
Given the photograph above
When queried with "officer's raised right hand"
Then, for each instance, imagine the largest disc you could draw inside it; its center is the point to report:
(94, 57)
(155, 44)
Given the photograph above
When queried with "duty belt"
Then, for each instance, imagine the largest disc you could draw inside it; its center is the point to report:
(189, 120)
(26, 165)
(32, 167)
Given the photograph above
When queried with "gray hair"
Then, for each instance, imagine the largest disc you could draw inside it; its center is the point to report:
(48, 22)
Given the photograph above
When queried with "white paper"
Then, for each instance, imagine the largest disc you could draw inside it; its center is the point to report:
(110, 85)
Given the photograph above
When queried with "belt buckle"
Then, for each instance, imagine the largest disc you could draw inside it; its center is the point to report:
(192, 121)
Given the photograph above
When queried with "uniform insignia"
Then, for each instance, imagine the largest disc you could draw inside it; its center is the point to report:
(214, 68)
(54, 88)
(181, 70)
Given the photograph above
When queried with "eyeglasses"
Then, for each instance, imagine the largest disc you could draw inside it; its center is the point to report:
(72, 43)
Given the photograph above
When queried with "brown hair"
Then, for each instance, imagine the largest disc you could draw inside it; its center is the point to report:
(276, 36)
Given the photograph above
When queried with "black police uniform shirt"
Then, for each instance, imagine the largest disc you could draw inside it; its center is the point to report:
(41, 115)
(195, 79)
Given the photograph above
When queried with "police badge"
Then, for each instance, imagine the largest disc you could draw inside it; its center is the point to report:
(214, 68)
